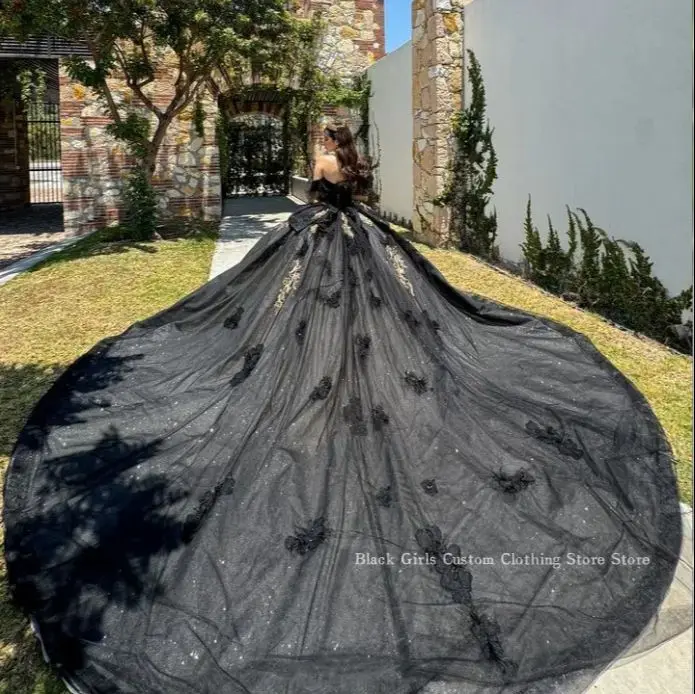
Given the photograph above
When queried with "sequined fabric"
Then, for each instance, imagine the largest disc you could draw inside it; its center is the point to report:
(263, 488)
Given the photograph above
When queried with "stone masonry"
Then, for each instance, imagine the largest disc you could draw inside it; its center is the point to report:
(354, 39)
(187, 176)
(437, 96)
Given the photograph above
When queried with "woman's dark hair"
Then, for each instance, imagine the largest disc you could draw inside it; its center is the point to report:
(353, 167)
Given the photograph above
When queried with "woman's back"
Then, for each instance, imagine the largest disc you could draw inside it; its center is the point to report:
(330, 169)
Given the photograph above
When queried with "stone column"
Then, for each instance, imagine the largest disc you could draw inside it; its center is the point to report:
(437, 83)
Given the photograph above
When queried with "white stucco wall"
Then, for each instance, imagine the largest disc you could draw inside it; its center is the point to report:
(591, 105)
(392, 129)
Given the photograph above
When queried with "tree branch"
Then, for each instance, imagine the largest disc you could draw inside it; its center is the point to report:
(105, 89)
(146, 56)
(137, 86)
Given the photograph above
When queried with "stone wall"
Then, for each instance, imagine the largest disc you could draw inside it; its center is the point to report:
(95, 165)
(354, 39)
(187, 176)
(437, 83)
(14, 156)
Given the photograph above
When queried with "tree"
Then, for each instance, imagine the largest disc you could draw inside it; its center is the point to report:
(135, 40)
(313, 88)
(473, 171)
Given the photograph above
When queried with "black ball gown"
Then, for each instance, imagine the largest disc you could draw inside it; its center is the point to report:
(327, 471)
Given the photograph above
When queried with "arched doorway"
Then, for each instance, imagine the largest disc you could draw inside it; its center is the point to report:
(254, 143)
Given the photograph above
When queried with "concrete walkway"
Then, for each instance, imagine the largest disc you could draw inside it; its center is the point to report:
(244, 221)
(17, 267)
(665, 669)
(26, 231)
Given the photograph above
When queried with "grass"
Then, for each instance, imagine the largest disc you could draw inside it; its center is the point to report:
(100, 286)
(52, 314)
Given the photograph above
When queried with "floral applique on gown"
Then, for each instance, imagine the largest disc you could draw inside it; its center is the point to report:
(187, 507)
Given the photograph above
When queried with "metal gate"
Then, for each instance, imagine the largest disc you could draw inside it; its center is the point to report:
(45, 172)
(257, 156)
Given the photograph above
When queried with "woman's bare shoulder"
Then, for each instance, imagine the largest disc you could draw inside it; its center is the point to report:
(328, 160)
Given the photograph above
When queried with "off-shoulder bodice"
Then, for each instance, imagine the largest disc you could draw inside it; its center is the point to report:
(337, 194)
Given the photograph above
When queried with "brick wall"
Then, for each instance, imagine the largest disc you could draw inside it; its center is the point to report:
(14, 156)
(95, 165)
(188, 169)
(353, 41)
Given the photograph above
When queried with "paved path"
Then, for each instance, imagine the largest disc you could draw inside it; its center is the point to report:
(26, 261)
(28, 238)
(26, 231)
(244, 221)
(666, 669)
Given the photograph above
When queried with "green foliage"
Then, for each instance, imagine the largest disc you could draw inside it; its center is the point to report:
(23, 82)
(141, 206)
(199, 118)
(135, 40)
(133, 130)
(473, 171)
(293, 72)
(224, 150)
(312, 89)
(42, 142)
(611, 277)
(32, 84)
(363, 87)
(532, 247)
(549, 266)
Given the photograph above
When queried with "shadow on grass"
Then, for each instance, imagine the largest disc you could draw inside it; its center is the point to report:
(26, 251)
(67, 565)
(22, 668)
(114, 240)
(22, 387)
(91, 543)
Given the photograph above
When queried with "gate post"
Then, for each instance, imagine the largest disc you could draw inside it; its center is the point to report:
(14, 162)
(437, 85)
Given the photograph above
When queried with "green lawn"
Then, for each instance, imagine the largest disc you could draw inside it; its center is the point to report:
(62, 308)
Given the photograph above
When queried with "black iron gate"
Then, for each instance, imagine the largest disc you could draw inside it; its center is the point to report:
(45, 172)
(257, 156)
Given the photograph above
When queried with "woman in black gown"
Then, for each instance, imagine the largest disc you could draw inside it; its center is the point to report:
(327, 471)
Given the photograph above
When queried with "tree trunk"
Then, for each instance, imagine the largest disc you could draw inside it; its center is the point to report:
(150, 161)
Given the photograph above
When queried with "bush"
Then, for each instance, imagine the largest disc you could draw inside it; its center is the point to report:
(549, 267)
(141, 206)
(610, 277)
(472, 172)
